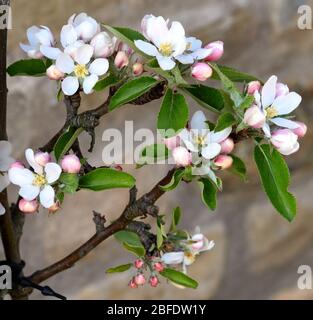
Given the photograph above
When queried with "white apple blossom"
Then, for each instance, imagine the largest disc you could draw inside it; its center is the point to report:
(168, 43)
(81, 70)
(275, 107)
(5, 161)
(37, 183)
(40, 38)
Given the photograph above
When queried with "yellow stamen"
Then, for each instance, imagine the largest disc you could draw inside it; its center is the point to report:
(81, 71)
(200, 140)
(39, 180)
(271, 112)
(190, 256)
(166, 49)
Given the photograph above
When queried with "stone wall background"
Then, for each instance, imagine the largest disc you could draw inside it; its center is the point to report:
(257, 253)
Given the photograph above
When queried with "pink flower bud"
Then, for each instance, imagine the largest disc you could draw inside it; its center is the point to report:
(301, 130)
(281, 89)
(54, 73)
(254, 117)
(172, 143)
(158, 266)
(28, 206)
(223, 162)
(285, 141)
(201, 71)
(140, 279)
(132, 284)
(154, 281)
(182, 156)
(55, 207)
(137, 68)
(126, 48)
(121, 60)
(253, 86)
(227, 146)
(138, 264)
(71, 164)
(42, 158)
(17, 164)
(218, 50)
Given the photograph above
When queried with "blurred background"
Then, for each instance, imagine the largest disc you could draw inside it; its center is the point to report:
(257, 252)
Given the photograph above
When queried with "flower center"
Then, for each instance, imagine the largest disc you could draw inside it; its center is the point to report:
(271, 112)
(81, 71)
(166, 49)
(200, 140)
(39, 180)
(190, 256)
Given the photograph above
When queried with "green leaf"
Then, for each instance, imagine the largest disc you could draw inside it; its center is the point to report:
(131, 90)
(159, 236)
(208, 193)
(176, 216)
(105, 178)
(233, 75)
(238, 167)
(127, 36)
(174, 113)
(69, 182)
(179, 80)
(207, 97)
(30, 67)
(179, 278)
(176, 178)
(106, 82)
(65, 142)
(118, 269)
(153, 66)
(131, 242)
(229, 86)
(275, 178)
(224, 121)
(152, 154)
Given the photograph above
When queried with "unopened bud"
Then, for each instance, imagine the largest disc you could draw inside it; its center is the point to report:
(172, 143)
(132, 284)
(201, 71)
(227, 146)
(71, 164)
(158, 266)
(140, 279)
(254, 117)
(301, 130)
(154, 281)
(137, 68)
(28, 206)
(42, 158)
(54, 73)
(218, 50)
(17, 164)
(253, 86)
(285, 141)
(121, 60)
(138, 264)
(223, 162)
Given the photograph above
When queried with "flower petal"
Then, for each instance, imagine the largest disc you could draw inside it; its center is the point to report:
(286, 104)
(70, 85)
(46, 197)
(29, 192)
(68, 35)
(31, 35)
(146, 47)
(266, 129)
(166, 63)
(84, 54)
(198, 121)
(21, 176)
(30, 157)
(285, 123)
(53, 172)
(220, 135)
(50, 52)
(65, 63)
(2, 210)
(89, 83)
(211, 151)
(193, 43)
(157, 29)
(202, 53)
(99, 67)
(269, 91)
(45, 36)
(185, 58)
(173, 257)
(26, 48)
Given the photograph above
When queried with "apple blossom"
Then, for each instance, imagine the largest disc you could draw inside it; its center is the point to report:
(144, 24)
(154, 281)
(223, 161)
(281, 89)
(140, 279)
(227, 146)
(285, 141)
(158, 266)
(42, 158)
(28, 206)
(168, 43)
(301, 130)
(138, 264)
(132, 284)
(37, 183)
(71, 164)
(137, 69)
(54, 73)
(103, 45)
(201, 71)
(121, 60)
(172, 142)
(253, 86)
(274, 107)
(182, 156)
(217, 50)
(39, 38)
(254, 117)
(80, 70)
(17, 164)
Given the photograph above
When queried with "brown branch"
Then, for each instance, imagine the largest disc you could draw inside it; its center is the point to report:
(132, 211)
